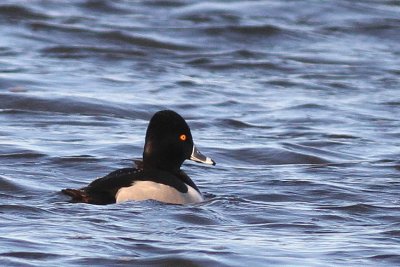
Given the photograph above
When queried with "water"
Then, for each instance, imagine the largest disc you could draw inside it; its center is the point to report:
(297, 101)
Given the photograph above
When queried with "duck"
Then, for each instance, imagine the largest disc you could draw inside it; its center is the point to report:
(158, 177)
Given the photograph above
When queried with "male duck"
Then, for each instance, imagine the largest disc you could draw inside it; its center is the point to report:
(159, 177)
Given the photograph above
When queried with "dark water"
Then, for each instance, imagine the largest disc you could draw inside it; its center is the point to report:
(297, 101)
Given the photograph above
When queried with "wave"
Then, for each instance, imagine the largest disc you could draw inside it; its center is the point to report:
(271, 156)
(18, 12)
(246, 30)
(14, 103)
(84, 34)
(82, 51)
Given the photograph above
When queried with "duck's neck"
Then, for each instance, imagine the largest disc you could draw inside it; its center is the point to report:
(159, 159)
(150, 164)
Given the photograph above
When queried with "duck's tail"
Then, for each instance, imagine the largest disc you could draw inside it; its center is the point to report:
(78, 195)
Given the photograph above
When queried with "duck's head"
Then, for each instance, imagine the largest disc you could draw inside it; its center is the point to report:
(169, 143)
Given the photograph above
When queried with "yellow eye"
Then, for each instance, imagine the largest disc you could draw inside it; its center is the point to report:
(183, 137)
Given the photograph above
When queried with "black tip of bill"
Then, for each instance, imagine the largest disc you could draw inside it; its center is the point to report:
(198, 157)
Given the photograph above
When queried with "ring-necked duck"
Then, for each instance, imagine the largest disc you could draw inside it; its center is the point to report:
(159, 177)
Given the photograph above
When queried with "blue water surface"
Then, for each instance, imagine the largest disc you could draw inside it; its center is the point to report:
(298, 102)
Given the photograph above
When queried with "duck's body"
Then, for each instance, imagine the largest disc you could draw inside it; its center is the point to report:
(136, 184)
(168, 143)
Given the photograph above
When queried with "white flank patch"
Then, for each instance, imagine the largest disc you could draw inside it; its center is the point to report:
(144, 190)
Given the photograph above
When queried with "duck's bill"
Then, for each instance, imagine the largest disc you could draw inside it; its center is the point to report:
(198, 157)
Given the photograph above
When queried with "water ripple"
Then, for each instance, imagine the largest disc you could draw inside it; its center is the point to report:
(17, 12)
(299, 107)
(16, 103)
